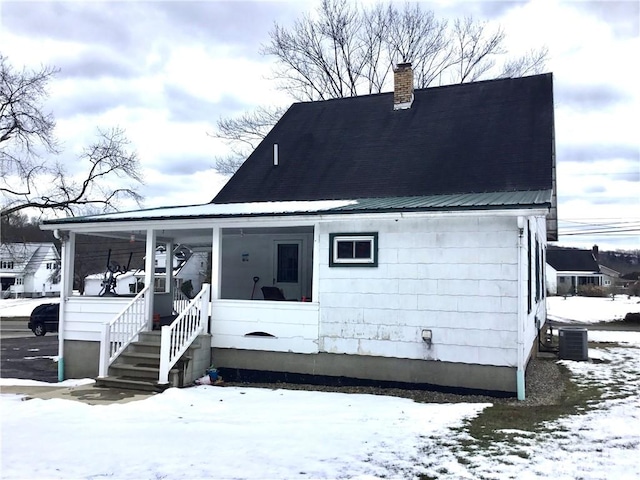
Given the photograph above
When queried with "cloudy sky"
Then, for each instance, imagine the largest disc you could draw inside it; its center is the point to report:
(167, 70)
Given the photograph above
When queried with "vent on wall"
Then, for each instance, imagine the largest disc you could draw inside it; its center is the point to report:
(259, 334)
(573, 344)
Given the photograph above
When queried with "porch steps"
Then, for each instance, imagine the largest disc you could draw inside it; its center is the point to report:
(138, 367)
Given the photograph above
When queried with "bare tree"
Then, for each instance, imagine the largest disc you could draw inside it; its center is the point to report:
(24, 127)
(48, 185)
(32, 176)
(345, 50)
(243, 134)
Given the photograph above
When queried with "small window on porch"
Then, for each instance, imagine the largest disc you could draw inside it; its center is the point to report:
(353, 249)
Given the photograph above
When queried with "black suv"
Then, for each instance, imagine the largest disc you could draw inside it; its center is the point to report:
(44, 318)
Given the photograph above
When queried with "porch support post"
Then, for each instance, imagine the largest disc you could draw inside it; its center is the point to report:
(216, 263)
(66, 290)
(315, 273)
(168, 283)
(216, 272)
(150, 275)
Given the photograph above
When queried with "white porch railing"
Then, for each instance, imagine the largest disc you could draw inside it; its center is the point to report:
(177, 337)
(117, 334)
(180, 301)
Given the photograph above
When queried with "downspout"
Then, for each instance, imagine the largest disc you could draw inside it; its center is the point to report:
(66, 289)
(521, 313)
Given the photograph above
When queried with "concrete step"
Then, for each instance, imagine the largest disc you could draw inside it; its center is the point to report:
(145, 347)
(137, 358)
(130, 383)
(134, 371)
(150, 337)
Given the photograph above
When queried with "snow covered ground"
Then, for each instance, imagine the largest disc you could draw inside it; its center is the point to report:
(591, 309)
(252, 433)
(22, 307)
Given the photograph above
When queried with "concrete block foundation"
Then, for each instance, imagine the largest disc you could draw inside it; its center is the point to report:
(383, 369)
(81, 359)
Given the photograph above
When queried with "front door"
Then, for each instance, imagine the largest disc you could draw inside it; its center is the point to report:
(287, 268)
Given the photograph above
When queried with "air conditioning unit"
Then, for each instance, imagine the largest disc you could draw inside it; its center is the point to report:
(573, 343)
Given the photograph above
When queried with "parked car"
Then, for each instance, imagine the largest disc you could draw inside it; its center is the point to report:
(44, 318)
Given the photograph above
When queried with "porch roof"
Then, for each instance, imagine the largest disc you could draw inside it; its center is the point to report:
(450, 202)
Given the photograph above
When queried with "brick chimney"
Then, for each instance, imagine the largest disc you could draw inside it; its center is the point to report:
(402, 86)
(596, 252)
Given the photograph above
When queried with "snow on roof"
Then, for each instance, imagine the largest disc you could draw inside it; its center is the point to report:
(213, 210)
(449, 202)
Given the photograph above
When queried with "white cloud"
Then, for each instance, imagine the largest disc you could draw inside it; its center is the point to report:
(166, 72)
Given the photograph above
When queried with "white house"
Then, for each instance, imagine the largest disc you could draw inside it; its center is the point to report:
(407, 231)
(569, 270)
(29, 270)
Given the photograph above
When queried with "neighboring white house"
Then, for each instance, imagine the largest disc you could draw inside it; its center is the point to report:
(571, 269)
(187, 266)
(29, 270)
(406, 229)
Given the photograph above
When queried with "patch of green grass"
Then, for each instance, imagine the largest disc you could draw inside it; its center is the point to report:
(484, 429)
(522, 454)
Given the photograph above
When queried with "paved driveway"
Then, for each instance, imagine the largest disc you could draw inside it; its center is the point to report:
(30, 358)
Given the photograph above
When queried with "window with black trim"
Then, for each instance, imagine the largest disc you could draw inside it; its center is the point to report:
(353, 249)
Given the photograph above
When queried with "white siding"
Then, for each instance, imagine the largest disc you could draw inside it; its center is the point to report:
(294, 325)
(456, 276)
(536, 317)
(84, 316)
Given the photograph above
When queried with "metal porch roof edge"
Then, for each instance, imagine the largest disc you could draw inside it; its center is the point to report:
(448, 202)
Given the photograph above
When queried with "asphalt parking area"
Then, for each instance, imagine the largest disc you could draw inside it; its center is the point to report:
(30, 358)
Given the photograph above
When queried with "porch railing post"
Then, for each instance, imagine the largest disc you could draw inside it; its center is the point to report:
(105, 343)
(165, 346)
(204, 307)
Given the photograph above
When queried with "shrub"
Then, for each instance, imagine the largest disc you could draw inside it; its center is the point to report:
(565, 290)
(593, 291)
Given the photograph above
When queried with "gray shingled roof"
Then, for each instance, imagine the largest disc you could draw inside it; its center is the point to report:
(492, 136)
(571, 260)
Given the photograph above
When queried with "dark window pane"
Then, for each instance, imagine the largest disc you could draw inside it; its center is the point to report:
(345, 249)
(287, 263)
(363, 249)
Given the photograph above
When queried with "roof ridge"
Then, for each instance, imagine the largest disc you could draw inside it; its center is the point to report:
(424, 89)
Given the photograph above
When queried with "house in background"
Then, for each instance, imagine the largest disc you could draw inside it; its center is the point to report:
(29, 270)
(125, 283)
(188, 266)
(406, 229)
(568, 270)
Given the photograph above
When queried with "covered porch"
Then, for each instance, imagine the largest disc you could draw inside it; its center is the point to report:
(247, 261)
